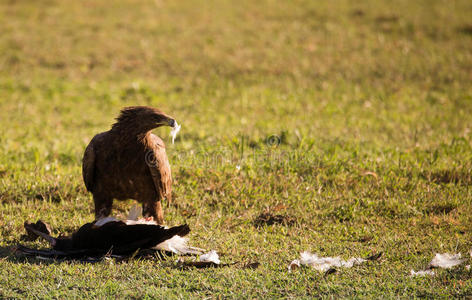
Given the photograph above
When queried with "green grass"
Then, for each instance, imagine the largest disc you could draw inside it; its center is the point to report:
(347, 88)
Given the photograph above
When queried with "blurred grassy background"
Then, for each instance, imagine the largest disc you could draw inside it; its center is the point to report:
(370, 101)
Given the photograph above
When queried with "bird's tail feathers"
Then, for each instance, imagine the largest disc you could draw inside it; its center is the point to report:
(181, 230)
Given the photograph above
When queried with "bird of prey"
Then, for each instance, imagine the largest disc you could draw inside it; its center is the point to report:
(129, 162)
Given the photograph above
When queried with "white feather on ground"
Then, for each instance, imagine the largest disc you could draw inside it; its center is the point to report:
(211, 256)
(444, 261)
(422, 273)
(323, 264)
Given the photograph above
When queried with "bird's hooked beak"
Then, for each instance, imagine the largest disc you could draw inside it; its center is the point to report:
(171, 123)
(166, 121)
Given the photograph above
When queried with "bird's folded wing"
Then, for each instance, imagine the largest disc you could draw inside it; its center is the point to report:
(88, 165)
(161, 173)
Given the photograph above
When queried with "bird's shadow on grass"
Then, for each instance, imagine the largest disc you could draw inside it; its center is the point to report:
(8, 253)
(5, 252)
(11, 254)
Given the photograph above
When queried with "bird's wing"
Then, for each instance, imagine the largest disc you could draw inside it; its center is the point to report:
(88, 166)
(160, 168)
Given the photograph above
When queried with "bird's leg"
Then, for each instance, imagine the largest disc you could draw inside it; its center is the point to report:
(168, 199)
(159, 213)
(154, 209)
(102, 206)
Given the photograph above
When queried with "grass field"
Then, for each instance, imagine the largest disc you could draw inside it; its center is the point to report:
(351, 118)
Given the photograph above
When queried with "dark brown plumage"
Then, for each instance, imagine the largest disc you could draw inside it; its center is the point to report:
(129, 162)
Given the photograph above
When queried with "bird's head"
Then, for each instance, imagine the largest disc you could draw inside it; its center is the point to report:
(142, 119)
